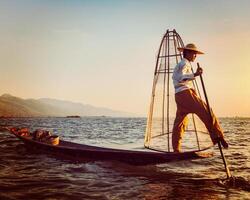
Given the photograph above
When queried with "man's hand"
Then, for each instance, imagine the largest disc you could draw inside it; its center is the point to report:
(198, 72)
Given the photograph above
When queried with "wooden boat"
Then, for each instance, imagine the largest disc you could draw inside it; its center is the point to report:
(82, 152)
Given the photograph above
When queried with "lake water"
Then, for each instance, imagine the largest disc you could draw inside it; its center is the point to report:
(28, 175)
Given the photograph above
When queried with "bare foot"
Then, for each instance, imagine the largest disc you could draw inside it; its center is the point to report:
(224, 143)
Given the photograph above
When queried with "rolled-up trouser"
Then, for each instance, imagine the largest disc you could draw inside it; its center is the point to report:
(188, 102)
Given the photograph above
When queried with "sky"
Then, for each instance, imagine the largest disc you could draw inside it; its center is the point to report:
(103, 52)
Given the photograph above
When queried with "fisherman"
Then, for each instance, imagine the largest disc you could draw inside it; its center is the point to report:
(188, 101)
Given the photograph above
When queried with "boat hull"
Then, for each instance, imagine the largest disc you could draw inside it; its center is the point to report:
(82, 152)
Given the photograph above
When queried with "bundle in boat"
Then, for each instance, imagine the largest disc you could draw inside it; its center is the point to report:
(38, 135)
(45, 136)
(163, 109)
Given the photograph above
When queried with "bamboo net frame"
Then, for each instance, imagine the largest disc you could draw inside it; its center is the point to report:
(162, 106)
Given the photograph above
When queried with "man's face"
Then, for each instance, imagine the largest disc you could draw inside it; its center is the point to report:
(191, 55)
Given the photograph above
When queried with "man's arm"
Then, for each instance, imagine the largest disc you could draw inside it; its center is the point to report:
(198, 72)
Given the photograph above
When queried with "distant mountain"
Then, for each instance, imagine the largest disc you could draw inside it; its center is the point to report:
(11, 106)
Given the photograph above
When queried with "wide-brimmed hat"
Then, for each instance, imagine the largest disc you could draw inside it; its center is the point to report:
(190, 47)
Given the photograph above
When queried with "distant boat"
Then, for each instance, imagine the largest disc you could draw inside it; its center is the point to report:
(73, 116)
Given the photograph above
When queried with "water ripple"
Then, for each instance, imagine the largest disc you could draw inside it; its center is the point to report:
(29, 175)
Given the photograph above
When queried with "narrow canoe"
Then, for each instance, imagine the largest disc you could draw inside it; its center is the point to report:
(82, 152)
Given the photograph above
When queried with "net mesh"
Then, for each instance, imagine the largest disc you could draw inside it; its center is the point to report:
(163, 107)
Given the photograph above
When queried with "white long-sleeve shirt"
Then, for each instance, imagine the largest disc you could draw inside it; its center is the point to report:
(183, 76)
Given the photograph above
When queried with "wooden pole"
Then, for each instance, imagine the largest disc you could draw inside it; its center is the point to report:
(219, 144)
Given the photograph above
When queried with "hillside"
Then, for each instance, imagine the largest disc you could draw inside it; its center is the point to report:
(11, 106)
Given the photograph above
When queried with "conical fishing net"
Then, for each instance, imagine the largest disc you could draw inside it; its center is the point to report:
(163, 107)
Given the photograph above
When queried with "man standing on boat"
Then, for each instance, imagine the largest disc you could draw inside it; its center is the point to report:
(188, 101)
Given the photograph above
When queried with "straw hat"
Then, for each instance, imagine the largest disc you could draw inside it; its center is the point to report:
(190, 47)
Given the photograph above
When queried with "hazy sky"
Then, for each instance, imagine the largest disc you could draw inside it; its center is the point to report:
(103, 52)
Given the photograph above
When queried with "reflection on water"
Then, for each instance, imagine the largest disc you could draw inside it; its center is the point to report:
(29, 175)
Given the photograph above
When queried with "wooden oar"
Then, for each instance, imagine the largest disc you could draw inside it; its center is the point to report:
(219, 144)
